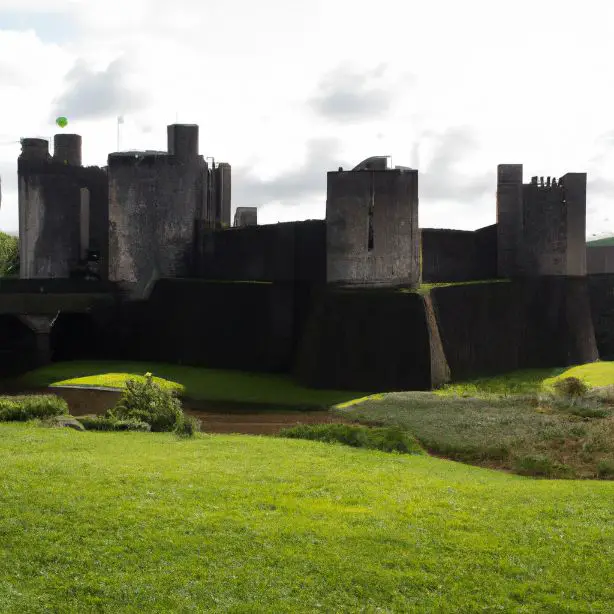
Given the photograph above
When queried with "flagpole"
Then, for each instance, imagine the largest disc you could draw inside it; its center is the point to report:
(120, 120)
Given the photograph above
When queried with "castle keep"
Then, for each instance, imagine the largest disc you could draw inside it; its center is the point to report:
(138, 260)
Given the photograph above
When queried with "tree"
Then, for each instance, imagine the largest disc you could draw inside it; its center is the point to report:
(9, 255)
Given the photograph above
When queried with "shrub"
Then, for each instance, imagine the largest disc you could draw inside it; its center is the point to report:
(148, 402)
(605, 469)
(103, 423)
(32, 407)
(571, 387)
(187, 426)
(387, 439)
(540, 466)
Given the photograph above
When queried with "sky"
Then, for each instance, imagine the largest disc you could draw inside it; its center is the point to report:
(286, 90)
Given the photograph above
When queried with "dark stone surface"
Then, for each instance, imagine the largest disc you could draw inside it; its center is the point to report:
(153, 202)
(18, 347)
(371, 340)
(501, 326)
(459, 255)
(284, 252)
(245, 326)
(53, 243)
(600, 259)
(372, 234)
(601, 288)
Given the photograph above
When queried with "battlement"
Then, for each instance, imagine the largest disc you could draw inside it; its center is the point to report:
(547, 182)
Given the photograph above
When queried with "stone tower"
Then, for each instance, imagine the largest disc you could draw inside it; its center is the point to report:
(541, 226)
(372, 234)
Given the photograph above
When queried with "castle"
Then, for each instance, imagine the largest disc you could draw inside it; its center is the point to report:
(139, 259)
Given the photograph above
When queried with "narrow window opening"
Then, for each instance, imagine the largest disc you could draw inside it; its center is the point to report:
(370, 217)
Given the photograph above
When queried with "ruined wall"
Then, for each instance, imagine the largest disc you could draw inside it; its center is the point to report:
(497, 327)
(600, 259)
(275, 252)
(373, 236)
(153, 202)
(458, 255)
(371, 340)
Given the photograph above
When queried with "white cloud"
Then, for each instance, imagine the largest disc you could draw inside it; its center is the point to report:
(462, 87)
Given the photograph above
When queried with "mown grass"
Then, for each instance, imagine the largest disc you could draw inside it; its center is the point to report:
(130, 522)
(194, 382)
(547, 437)
(527, 381)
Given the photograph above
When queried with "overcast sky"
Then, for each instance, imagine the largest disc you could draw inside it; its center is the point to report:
(285, 90)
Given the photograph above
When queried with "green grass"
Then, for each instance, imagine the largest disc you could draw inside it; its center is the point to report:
(544, 437)
(131, 522)
(193, 382)
(531, 380)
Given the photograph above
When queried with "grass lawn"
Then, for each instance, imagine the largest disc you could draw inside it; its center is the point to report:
(194, 382)
(131, 522)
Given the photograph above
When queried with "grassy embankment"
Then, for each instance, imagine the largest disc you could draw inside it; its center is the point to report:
(191, 382)
(508, 422)
(505, 422)
(131, 522)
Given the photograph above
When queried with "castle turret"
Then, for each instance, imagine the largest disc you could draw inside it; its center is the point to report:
(154, 200)
(372, 233)
(67, 149)
(183, 141)
(49, 202)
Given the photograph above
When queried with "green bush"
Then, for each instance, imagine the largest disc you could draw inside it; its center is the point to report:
(148, 402)
(605, 469)
(187, 426)
(103, 423)
(387, 439)
(571, 387)
(33, 407)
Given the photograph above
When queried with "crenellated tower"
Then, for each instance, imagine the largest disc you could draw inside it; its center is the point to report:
(541, 225)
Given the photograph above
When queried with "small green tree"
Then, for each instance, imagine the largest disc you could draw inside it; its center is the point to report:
(146, 401)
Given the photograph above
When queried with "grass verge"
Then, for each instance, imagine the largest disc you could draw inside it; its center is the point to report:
(131, 522)
(194, 382)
